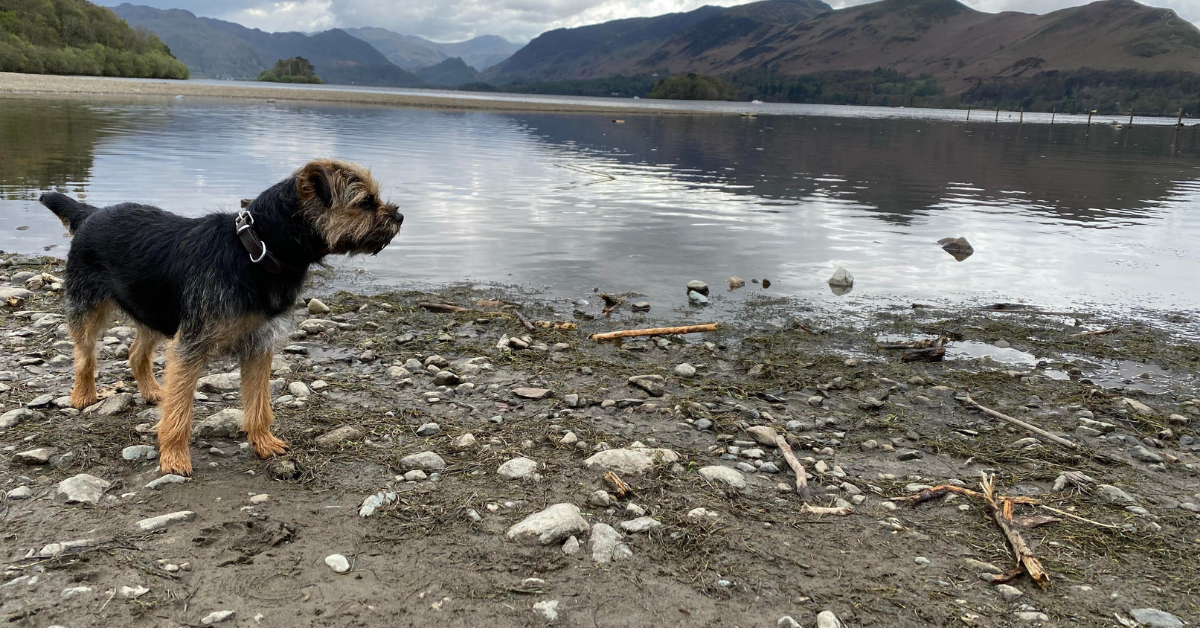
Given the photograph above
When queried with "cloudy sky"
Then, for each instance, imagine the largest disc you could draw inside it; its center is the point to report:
(517, 20)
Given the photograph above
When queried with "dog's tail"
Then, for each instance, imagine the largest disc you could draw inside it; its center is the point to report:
(71, 212)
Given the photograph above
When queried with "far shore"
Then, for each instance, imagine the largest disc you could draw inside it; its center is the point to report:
(11, 83)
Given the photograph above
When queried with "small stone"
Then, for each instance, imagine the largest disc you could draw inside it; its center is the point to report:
(768, 467)
(224, 424)
(139, 452)
(640, 306)
(697, 298)
(132, 593)
(725, 475)
(261, 498)
(466, 441)
(1032, 616)
(518, 469)
(787, 622)
(316, 307)
(446, 378)
(220, 382)
(841, 278)
(531, 393)
(1137, 407)
(1009, 592)
(604, 541)
(335, 438)
(868, 445)
(41, 401)
(164, 480)
(921, 560)
(641, 524)
(816, 401)
(600, 499)
(826, 619)
(82, 489)
(703, 514)
(13, 417)
(735, 283)
(548, 609)
(1144, 455)
(549, 526)
(763, 434)
(33, 457)
(910, 454)
(652, 384)
(1115, 495)
(630, 461)
(1154, 618)
(426, 461)
(685, 370)
(163, 521)
(398, 372)
(702, 425)
(374, 502)
(19, 493)
(698, 286)
(416, 475)
(428, 429)
(570, 547)
(73, 591)
(338, 563)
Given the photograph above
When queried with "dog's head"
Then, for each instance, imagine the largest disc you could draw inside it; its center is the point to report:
(342, 202)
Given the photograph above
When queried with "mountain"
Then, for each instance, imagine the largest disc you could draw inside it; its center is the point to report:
(411, 52)
(626, 46)
(228, 50)
(78, 37)
(451, 73)
(945, 40)
(207, 51)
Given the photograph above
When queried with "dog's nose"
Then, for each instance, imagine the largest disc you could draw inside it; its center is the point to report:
(398, 217)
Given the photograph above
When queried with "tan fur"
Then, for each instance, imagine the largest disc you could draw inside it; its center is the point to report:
(345, 223)
(84, 334)
(256, 400)
(175, 426)
(141, 362)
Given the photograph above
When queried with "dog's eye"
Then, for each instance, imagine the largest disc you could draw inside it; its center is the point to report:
(368, 202)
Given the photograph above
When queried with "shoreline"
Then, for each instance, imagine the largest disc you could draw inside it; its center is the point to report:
(55, 85)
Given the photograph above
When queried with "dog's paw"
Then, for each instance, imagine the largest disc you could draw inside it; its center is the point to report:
(178, 464)
(152, 397)
(269, 447)
(83, 399)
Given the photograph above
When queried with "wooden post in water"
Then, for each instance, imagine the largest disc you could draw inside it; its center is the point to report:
(969, 113)
(1053, 114)
(1022, 120)
(1089, 126)
(1131, 116)
(997, 113)
(1179, 122)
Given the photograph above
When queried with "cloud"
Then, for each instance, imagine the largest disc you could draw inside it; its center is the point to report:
(517, 20)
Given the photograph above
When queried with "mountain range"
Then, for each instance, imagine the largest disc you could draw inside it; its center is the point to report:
(413, 53)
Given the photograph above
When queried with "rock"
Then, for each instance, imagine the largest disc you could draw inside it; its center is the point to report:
(1032, 616)
(735, 283)
(549, 526)
(1178, 419)
(19, 493)
(425, 461)
(163, 521)
(139, 452)
(604, 540)
(315, 307)
(841, 278)
(216, 617)
(697, 286)
(428, 429)
(571, 546)
(1154, 618)
(1136, 407)
(224, 424)
(548, 609)
(19, 294)
(787, 622)
(725, 475)
(335, 438)
(446, 378)
(162, 481)
(82, 489)
(702, 514)
(38, 456)
(763, 434)
(299, 390)
(630, 461)
(1144, 455)
(979, 566)
(641, 524)
(573, 401)
(66, 547)
(1009, 592)
(112, 406)
(337, 563)
(13, 417)
(416, 475)
(518, 469)
(959, 248)
(910, 454)
(697, 298)
(132, 593)
(375, 502)
(41, 401)
(652, 384)
(398, 372)
(466, 441)
(826, 619)
(685, 370)
(1115, 495)
(531, 393)
(73, 591)
(315, 326)
(221, 382)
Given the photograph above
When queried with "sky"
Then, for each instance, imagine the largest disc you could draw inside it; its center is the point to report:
(516, 20)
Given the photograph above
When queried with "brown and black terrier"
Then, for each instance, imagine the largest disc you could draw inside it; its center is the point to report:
(219, 285)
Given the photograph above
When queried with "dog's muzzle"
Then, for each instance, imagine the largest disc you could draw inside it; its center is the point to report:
(398, 217)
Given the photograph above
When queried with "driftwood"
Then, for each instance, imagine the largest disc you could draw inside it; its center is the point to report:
(524, 321)
(657, 331)
(1007, 308)
(797, 468)
(617, 485)
(444, 308)
(1019, 423)
(821, 510)
(1098, 332)
(612, 302)
(936, 352)
(556, 325)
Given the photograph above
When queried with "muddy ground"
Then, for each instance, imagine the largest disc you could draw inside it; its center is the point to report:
(868, 427)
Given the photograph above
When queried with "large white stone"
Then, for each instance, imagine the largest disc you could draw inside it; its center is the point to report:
(224, 424)
(630, 461)
(725, 475)
(163, 521)
(82, 489)
(552, 525)
(518, 469)
(425, 461)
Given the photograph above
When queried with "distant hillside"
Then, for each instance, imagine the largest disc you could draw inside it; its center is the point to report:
(451, 73)
(214, 46)
(78, 37)
(627, 46)
(412, 53)
(207, 52)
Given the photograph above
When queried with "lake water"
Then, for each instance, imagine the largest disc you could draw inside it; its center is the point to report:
(1062, 216)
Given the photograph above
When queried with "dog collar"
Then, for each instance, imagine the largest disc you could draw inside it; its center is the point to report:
(254, 245)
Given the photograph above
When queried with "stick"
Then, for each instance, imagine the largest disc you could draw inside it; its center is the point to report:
(657, 331)
(1077, 517)
(797, 468)
(1024, 555)
(1019, 423)
(1004, 310)
(934, 493)
(821, 510)
(444, 308)
(524, 321)
(617, 485)
(1098, 332)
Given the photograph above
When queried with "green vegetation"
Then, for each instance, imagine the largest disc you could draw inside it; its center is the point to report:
(693, 87)
(78, 37)
(880, 87)
(1162, 93)
(619, 86)
(293, 70)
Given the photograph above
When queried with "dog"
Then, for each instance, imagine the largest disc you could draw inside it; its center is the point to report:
(218, 285)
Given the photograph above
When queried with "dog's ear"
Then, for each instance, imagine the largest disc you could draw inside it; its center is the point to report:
(316, 181)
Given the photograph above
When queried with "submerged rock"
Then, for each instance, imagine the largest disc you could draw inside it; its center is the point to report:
(959, 248)
(841, 278)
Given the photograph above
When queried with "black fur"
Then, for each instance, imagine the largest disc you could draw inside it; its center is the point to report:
(180, 276)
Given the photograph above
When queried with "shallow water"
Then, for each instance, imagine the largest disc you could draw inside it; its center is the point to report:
(1058, 216)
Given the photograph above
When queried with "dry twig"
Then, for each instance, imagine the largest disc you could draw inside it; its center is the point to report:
(657, 331)
(1019, 423)
(797, 468)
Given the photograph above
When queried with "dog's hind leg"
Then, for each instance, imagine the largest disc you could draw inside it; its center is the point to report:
(256, 400)
(141, 362)
(175, 427)
(85, 325)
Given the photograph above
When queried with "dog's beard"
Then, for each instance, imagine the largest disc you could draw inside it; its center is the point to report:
(375, 242)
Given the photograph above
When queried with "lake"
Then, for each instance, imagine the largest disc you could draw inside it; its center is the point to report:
(1063, 216)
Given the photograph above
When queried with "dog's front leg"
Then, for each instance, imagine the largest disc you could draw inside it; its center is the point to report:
(256, 400)
(175, 426)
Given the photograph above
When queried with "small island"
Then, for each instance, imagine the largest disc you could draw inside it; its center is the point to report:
(293, 70)
(693, 86)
